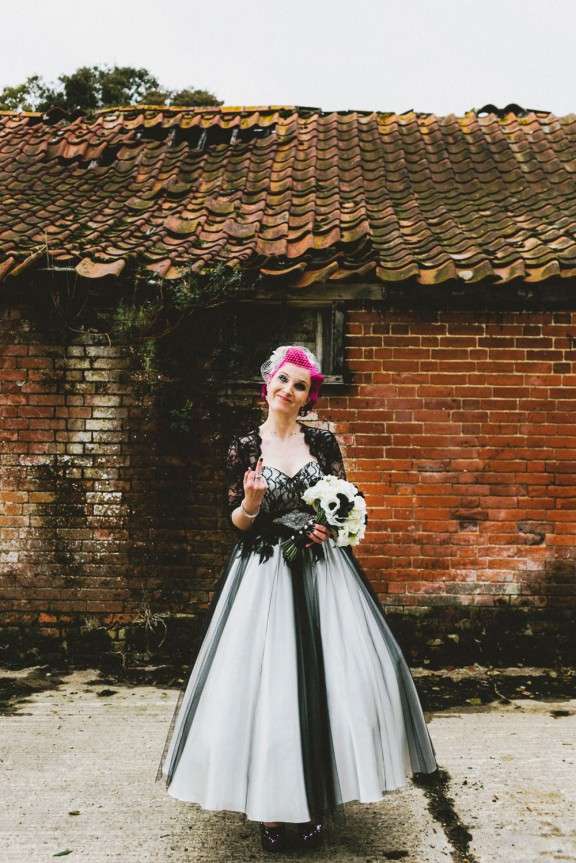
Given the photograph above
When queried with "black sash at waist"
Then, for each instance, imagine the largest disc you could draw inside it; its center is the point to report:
(270, 529)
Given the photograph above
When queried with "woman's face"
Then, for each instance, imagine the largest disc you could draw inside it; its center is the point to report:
(288, 390)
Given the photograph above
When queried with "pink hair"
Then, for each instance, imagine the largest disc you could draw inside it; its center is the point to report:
(298, 357)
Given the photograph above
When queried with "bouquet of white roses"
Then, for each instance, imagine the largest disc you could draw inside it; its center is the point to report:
(337, 504)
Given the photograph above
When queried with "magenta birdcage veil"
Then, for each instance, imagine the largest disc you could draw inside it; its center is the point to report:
(300, 356)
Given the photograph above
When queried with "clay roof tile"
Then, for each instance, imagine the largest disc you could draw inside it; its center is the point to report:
(298, 193)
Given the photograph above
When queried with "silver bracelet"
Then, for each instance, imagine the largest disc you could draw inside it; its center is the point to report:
(247, 514)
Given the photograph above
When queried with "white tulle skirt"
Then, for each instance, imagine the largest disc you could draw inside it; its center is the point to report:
(240, 738)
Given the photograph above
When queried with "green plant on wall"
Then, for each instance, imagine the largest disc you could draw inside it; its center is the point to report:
(211, 287)
(146, 308)
(155, 308)
(182, 418)
(150, 321)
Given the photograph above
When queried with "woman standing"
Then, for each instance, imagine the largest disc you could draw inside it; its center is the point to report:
(300, 699)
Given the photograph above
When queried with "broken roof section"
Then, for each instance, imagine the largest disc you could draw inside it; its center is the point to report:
(296, 194)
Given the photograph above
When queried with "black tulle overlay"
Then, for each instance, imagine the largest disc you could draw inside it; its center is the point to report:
(312, 632)
(320, 773)
(167, 765)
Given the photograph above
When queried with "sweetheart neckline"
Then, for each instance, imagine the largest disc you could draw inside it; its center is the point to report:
(304, 429)
(310, 461)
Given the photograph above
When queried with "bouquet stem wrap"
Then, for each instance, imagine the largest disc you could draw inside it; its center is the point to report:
(293, 547)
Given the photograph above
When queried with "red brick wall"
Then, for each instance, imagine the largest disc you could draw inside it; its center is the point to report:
(460, 432)
(63, 478)
(457, 427)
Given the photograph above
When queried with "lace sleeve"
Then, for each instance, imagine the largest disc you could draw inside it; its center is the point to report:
(235, 470)
(334, 458)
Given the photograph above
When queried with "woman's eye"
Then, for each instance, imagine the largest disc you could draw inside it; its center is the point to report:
(284, 378)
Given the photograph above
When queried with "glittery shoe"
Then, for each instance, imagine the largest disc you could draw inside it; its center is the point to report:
(274, 838)
(310, 835)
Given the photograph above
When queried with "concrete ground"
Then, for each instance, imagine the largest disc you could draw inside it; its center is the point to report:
(78, 757)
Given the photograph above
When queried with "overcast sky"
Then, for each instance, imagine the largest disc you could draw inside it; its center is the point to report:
(442, 56)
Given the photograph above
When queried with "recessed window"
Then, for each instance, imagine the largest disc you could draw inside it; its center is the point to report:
(253, 333)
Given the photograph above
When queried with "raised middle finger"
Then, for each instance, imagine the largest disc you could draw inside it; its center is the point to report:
(257, 472)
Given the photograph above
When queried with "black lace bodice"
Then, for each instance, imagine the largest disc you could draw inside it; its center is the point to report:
(284, 492)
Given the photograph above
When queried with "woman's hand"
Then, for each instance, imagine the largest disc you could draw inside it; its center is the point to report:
(319, 533)
(255, 487)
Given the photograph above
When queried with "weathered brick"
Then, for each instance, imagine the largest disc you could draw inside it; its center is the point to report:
(103, 351)
(91, 375)
(103, 424)
(114, 413)
(457, 427)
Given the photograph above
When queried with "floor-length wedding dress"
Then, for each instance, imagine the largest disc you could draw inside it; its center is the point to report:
(300, 698)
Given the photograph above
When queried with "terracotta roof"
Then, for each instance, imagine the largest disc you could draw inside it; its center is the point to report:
(295, 193)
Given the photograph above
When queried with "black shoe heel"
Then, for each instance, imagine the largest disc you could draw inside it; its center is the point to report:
(273, 838)
(311, 835)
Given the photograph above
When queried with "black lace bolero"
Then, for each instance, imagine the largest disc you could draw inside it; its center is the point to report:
(245, 450)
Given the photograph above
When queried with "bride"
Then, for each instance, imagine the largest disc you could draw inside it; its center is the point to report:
(300, 698)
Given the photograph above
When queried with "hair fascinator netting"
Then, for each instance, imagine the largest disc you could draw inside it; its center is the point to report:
(299, 356)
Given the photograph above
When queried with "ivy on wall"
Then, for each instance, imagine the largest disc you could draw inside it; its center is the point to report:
(156, 308)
